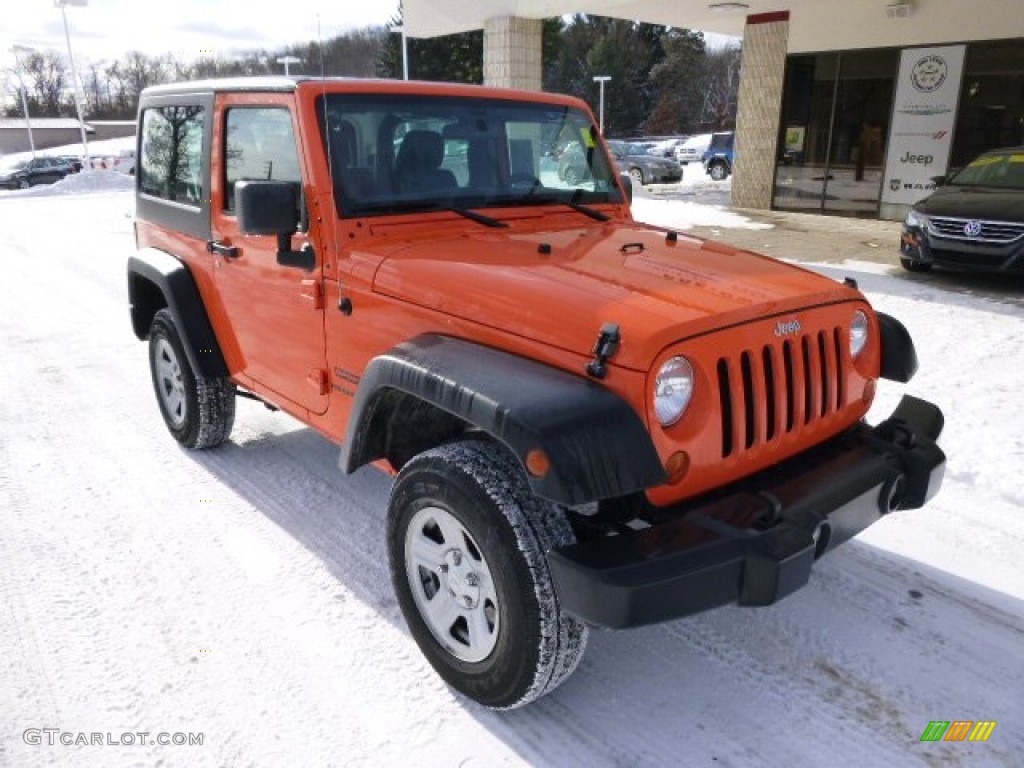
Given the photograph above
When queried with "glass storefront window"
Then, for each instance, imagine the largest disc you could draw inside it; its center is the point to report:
(835, 120)
(991, 112)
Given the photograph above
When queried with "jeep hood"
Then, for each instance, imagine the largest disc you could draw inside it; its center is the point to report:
(559, 287)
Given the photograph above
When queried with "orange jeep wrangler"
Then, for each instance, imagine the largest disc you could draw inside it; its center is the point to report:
(592, 422)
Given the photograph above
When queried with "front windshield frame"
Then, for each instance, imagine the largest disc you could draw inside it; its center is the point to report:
(995, 170)
(495, 153)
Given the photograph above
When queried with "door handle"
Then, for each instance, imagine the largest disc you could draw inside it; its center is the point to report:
(222, 249)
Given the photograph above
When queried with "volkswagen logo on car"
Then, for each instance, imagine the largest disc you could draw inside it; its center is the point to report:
(972, 228)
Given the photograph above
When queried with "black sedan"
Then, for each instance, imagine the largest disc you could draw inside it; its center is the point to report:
(974, 220)
(643, 167)
(22, 174)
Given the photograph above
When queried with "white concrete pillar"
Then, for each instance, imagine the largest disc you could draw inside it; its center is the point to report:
(759, 108)
(512, 53)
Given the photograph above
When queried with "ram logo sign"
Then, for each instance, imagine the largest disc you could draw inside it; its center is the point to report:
(958, 730)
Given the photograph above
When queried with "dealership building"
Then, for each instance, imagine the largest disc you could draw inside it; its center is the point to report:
(849, 107)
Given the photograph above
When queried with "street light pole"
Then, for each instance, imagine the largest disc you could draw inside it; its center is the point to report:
(601, 80)
(286, 60)
(24, 102)
(62, 4)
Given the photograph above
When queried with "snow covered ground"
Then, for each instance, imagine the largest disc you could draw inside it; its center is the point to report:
(243, 594)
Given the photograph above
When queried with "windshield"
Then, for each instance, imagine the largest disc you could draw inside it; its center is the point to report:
(1003, 170)
(392, 153)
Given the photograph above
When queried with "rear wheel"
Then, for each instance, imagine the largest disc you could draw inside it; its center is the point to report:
(467, 541)
(572, 176)
(915, 266)
(199, 411)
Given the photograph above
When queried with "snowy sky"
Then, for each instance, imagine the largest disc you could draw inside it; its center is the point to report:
(105, 29)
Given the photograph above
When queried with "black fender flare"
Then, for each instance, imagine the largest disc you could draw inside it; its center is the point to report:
(178, 288)
(597, 445)
(899, 358)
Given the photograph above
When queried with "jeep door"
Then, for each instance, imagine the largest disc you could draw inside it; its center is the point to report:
(275, 312)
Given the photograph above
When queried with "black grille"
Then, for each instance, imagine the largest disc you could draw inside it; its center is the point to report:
(996, 232)
(780, 389)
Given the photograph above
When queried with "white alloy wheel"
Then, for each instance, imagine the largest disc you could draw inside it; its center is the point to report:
(169, 383)
(451, 584)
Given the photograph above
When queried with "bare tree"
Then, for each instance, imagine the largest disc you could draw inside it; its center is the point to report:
(46, 83)
(720, 84)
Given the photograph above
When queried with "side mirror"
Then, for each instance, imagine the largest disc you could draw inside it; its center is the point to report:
(627, 184)
(938, 181)
(272, 208)
(267, 207)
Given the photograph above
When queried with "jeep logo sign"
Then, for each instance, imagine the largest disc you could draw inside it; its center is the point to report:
(918, 159)
(787, 329)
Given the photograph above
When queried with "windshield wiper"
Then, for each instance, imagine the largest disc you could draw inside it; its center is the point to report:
(586, 210)
(487, 221)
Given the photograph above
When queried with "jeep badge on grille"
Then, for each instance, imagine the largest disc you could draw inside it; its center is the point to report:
(787, 329)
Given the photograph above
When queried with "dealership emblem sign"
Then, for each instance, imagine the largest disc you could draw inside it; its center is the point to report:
(972, 228)
(929, 73)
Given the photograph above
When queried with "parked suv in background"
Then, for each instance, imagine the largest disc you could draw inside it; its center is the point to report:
(718, 157)
(591, 421)
(693, 149)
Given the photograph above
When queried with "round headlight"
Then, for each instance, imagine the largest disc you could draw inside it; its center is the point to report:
(673, 389)
(858, 333)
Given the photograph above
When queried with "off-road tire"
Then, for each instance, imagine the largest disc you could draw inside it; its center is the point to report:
(198, 411)
(506, 531)
(915, 266)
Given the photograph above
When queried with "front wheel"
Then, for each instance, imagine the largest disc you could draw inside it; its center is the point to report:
(24, 184)
(199, 411)
(468, 545)
(637, 176)
(718, 171)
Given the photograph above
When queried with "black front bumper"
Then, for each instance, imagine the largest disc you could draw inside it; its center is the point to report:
(917, 246)
(703, 557)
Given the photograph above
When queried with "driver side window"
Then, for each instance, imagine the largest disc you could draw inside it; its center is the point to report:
(259, 145)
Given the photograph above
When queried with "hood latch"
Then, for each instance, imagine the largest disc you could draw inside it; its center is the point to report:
(607, 345)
